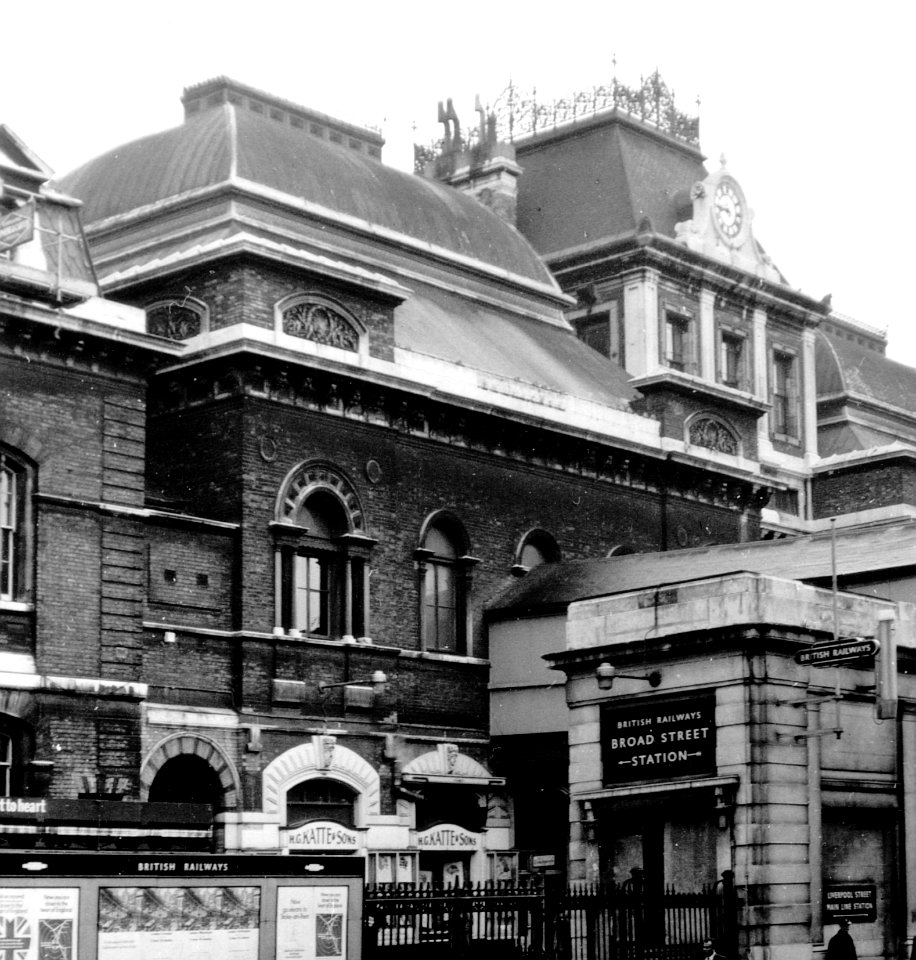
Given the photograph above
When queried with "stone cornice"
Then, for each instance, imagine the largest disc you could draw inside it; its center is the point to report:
(478, 431)
(238, 186)
(667, 256)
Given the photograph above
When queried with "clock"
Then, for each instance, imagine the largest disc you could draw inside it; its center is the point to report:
(728, 211)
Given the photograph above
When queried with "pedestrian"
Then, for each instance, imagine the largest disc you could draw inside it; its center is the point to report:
(710, 952)
(841, 945)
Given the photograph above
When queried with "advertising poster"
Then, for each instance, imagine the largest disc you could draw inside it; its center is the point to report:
(311, 923)
(178, 923)
(38, 923)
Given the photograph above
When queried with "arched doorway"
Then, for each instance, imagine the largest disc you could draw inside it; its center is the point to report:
(187, 778)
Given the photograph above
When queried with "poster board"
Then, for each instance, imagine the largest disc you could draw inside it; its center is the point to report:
(126, 907)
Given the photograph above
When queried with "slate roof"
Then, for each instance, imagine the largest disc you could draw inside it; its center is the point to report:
(228, 142)
(849, 368)
(858, 550)
(600, 179)
(437, 323)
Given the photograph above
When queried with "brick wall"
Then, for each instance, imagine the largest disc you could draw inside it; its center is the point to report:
(878, 484)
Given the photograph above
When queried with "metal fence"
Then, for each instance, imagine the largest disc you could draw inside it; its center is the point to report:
(584, 921)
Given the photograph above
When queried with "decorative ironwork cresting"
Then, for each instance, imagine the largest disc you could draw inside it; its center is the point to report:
(518, 113)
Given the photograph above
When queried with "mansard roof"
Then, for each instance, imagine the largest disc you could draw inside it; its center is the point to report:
(231, 143)
(617, 173)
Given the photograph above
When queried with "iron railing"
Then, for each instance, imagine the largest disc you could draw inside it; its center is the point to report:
(584, 921)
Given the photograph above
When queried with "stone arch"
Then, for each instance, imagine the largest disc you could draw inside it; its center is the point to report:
(192, 745)
(14, 436)
(447, 760)
(321, 757)
(543, 541)
(311, 476)
(451, 523)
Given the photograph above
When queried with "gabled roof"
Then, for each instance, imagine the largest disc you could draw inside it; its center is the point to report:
(859, 550)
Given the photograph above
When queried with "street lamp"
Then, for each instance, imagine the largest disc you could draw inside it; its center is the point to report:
(606, 673)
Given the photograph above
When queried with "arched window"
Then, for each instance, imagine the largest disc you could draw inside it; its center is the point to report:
(317, 583)
(15, 529)
(535, 547)
(444, 570)
(322, 555)
(320, 799)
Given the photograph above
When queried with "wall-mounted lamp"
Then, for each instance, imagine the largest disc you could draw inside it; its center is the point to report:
(377, 681)
(606, 673)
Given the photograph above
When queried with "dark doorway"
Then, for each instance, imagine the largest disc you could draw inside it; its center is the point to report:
(187, 779)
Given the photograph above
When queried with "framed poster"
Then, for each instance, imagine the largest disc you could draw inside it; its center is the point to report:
(190, 922)
(39, 922)
(311, 923)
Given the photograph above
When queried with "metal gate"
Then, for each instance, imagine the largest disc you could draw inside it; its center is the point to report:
(584, 921)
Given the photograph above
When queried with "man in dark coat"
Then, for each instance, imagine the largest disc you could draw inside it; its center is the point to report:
(841, 946)
(709, 951)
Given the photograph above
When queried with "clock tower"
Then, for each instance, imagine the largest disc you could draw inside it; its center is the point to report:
(721, 226)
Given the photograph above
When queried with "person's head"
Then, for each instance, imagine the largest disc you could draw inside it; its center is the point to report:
(709, 947)
(844, 923)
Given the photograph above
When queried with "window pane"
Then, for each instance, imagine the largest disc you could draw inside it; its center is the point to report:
(440, 601)
(312, 592)
(6, 764)
(7, 531)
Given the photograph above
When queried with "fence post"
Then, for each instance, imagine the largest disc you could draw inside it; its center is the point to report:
(729, 915)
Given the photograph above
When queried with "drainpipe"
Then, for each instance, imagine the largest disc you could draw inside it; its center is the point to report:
(815, 823)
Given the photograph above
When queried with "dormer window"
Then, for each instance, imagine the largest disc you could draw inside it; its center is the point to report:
(320, 320)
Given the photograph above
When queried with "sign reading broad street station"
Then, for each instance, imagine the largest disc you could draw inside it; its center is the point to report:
(659, 740)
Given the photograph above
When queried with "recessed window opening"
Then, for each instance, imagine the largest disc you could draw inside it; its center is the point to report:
(320, 799)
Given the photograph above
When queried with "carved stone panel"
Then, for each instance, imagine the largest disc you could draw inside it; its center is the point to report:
(709, 433)
(320, 323)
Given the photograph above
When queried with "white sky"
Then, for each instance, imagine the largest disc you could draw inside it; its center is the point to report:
(811, 101)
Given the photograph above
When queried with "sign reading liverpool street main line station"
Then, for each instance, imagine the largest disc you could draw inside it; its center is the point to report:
(837, 651)
(659, 739)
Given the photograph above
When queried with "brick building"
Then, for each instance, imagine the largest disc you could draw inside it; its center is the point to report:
(338, 407)
(256, 501)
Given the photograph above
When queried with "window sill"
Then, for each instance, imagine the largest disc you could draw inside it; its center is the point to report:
(14, 606)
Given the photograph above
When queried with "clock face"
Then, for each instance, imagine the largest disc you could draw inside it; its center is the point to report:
(728, 210)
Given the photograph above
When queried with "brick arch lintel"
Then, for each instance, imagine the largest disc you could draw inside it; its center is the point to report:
(321, 757)
(187, 744)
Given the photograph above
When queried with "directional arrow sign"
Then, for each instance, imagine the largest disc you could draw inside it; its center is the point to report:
(837, 651)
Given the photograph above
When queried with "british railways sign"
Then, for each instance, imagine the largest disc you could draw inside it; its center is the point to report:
(659, 740)
(838, 651)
